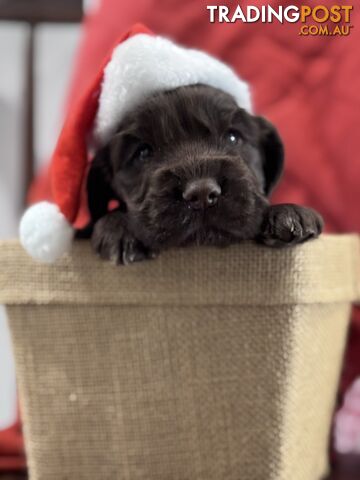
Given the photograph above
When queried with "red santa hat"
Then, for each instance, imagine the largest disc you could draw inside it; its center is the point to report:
(140, 64)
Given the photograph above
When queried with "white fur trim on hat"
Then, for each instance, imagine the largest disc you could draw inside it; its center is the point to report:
(145, 64)
(45, 233)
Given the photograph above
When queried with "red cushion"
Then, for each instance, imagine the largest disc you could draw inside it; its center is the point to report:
(12, 455)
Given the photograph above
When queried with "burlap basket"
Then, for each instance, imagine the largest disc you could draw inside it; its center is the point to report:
(204, 364)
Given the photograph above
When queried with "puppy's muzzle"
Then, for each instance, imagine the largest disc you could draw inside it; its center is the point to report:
(201, 193)
(199, 184)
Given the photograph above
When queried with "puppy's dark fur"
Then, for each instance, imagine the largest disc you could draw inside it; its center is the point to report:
(189, 166)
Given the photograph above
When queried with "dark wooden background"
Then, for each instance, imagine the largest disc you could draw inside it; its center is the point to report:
(36, 11)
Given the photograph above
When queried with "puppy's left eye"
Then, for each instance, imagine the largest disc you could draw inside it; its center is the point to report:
(144, 152)
(233, 137)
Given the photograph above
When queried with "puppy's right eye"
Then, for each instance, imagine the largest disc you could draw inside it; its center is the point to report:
(143, 152)
(233, 137)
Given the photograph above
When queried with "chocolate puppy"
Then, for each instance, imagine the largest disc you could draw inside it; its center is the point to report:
(186, 167)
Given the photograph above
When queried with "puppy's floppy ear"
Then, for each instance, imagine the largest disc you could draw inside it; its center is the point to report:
(99, 190)
(272, 151)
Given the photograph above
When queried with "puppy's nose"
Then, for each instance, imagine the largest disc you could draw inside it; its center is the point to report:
(202, 193)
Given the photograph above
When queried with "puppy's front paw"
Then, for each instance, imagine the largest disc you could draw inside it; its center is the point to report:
(112, 241)
(288, 224)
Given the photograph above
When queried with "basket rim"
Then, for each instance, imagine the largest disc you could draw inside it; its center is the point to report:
(325, 270)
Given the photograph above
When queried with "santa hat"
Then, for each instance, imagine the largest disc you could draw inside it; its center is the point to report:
(140, 64)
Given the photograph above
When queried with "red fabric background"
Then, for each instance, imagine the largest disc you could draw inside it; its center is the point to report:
(12, 455)
(309, 87)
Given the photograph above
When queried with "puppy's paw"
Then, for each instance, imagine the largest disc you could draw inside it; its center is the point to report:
(112, 241)
(132, 250)
(288, 224)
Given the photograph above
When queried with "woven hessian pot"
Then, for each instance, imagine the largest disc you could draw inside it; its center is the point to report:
(205, 364)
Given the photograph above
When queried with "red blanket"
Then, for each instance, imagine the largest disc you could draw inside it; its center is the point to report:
(12, 455)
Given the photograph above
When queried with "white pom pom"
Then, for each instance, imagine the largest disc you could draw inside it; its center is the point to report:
(45, 233)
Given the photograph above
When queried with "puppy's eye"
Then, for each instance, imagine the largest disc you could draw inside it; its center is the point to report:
(144, 152)
(233, 137)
